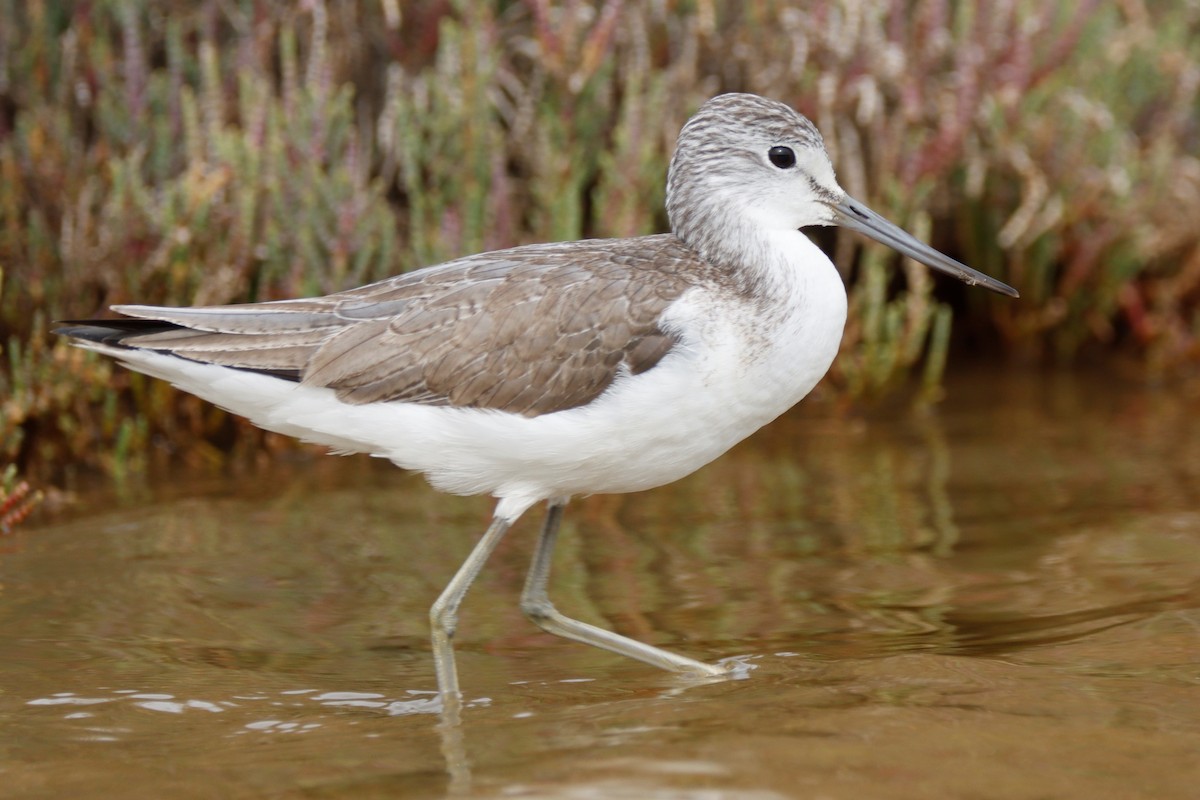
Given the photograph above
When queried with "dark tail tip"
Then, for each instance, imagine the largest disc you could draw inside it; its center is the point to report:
(108, 331)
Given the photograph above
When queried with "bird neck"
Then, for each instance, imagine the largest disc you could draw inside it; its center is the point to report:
(760, 261)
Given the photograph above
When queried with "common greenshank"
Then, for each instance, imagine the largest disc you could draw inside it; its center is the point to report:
(552, 370)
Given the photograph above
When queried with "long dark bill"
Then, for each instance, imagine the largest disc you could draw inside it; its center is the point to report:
(857, 217)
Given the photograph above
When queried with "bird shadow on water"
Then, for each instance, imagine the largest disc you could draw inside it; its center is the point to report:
(928, 573)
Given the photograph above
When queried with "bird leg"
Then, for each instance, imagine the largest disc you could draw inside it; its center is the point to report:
(443, 616)
(536, 605)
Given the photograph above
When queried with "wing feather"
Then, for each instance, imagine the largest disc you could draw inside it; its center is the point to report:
(531, 330)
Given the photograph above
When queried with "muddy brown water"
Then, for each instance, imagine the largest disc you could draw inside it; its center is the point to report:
(1000, 599)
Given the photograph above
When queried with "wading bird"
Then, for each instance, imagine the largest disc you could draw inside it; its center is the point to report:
(551, 370)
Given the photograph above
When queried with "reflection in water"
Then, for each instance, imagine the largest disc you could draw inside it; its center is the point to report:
(1012, 579)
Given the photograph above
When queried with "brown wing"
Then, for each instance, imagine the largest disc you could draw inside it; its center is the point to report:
(530, 330)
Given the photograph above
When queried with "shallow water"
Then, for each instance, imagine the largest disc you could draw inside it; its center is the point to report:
(996, 600)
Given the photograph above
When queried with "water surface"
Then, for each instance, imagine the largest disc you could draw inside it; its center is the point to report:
(996, 599)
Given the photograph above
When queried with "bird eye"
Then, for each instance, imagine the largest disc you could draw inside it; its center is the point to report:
(782, 157)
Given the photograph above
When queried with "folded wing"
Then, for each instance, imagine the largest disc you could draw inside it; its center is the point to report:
(531, 330)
